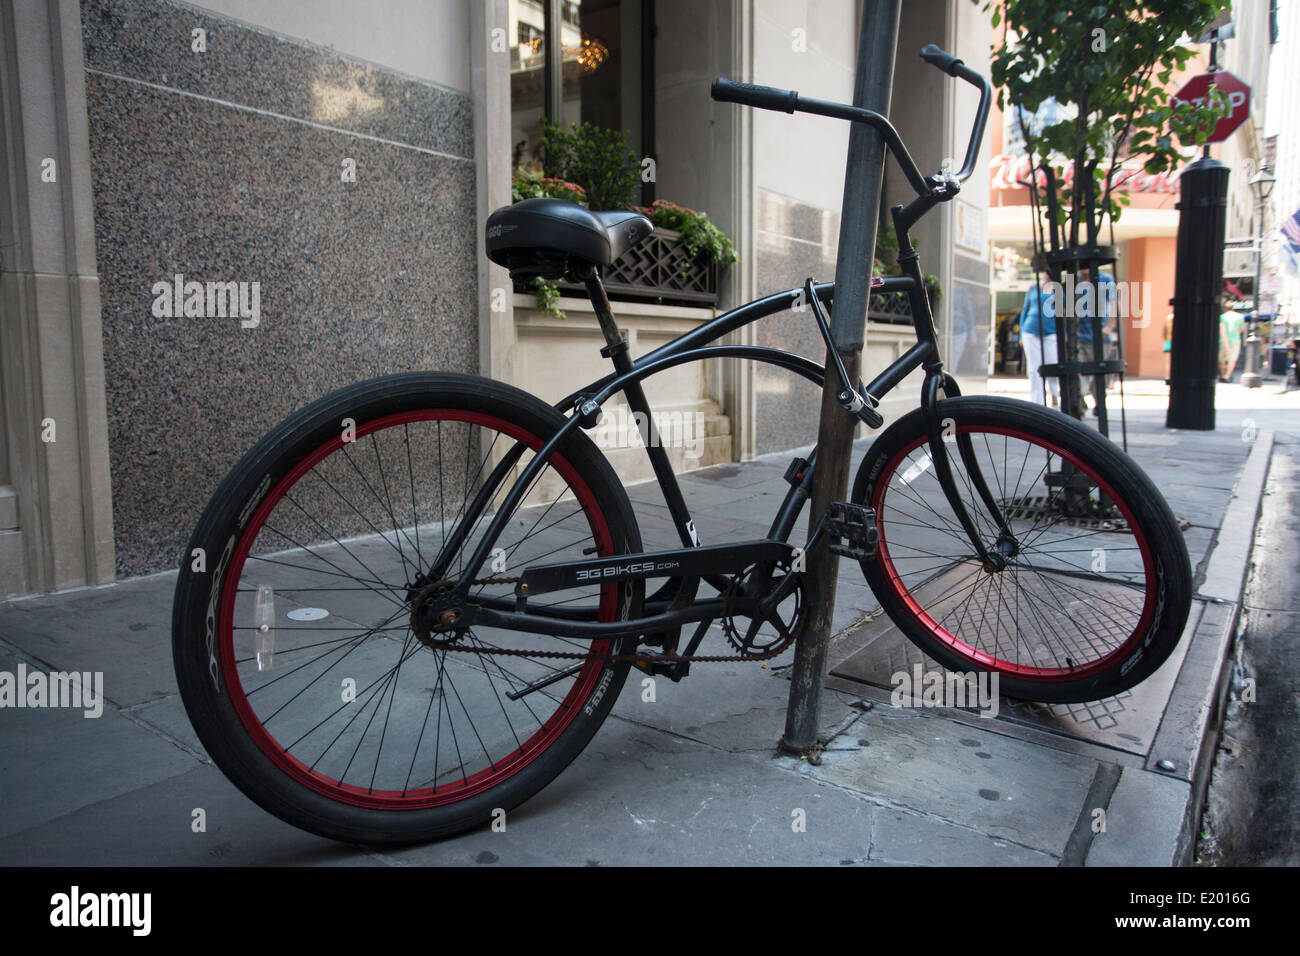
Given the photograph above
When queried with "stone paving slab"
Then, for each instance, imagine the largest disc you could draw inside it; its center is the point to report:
(1145, 822)
(639, 800)
(1027, 796)
(54, 761)
(152, 825)
(124, 630)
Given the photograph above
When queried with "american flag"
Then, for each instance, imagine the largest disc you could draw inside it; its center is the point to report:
(1291, 247)
(1291, 228)
(1291, 252)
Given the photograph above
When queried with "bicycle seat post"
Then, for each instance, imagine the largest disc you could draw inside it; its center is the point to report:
(615, 341)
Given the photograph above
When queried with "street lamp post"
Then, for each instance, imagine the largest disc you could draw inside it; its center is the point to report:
(1262, 186)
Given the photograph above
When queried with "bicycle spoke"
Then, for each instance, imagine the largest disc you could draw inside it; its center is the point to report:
(1068, 596)
(357, 701)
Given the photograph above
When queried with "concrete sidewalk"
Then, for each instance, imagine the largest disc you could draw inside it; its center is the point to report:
(690, 778)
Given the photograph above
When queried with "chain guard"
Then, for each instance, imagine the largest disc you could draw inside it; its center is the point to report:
(736, 605)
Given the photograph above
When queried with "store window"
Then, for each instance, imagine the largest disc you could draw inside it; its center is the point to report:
(581, 61)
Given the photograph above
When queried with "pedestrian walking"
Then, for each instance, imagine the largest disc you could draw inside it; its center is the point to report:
(1230, 322)
(1038, 341)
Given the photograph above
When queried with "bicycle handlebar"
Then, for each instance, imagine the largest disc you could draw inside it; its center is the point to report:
(789, 101)
(747, 94)
(943, 60)
(955, 67)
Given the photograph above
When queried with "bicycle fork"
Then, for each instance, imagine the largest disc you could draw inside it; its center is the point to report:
(862, 404)
(941, 433)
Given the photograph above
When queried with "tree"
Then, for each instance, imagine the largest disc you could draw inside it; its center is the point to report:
(1108, 65)
(1107, 68)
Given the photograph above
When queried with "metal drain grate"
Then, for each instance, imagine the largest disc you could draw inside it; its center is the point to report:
(875, 652)
(1038, 508)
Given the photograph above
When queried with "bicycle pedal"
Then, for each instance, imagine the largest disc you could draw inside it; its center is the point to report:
(851, 530)
(673, 670)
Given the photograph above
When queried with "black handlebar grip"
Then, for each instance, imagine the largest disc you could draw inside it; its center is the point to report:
(936, 57)
(747, 94)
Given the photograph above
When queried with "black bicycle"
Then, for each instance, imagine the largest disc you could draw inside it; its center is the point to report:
(413, 603)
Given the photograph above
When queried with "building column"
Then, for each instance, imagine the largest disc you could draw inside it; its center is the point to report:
(737, 376)
(490, 87)
(56, 525)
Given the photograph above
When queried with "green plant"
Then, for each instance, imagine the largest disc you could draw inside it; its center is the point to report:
(1107, 66)
(548, 294)
(885, 262)
(590, 165)
(530, 185)
(700, 236)
(934, 287)
(600, 160)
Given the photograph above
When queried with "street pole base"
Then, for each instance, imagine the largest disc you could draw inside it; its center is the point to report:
(1251, 380)
(812, 754)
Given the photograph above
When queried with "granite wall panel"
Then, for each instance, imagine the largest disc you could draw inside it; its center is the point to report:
(227, 166)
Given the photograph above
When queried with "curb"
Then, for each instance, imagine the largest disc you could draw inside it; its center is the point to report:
(1188, 735)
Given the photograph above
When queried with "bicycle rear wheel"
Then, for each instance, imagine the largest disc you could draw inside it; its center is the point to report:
(1097, 592)
(349, 725)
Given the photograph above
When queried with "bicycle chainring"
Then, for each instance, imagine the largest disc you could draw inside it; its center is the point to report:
(744, 618)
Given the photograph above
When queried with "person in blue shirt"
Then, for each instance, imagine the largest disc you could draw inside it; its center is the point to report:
(1103, 300)
(1103, 296)
(1038, 340)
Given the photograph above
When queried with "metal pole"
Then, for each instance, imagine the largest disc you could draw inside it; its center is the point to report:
(1214, 65)
(553, 65)
(877, 40)
(1251, 378)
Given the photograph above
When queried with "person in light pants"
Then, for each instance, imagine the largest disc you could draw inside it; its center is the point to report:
(1038, 340)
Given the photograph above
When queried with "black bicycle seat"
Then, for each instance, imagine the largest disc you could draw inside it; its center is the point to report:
(540, 236)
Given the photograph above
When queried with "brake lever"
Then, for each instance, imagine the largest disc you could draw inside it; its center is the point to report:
(861, 405)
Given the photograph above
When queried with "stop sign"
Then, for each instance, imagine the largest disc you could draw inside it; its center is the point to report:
(1197, 90)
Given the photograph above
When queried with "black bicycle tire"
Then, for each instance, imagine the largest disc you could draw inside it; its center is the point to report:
(211, 712)
(1159, 526)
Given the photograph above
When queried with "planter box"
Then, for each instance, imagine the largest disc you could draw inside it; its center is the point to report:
(659, 270)
(892, 309)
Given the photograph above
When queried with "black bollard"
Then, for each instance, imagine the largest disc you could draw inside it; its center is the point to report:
(1198, 280)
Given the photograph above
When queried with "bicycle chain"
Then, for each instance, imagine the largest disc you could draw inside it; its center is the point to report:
(638, 658)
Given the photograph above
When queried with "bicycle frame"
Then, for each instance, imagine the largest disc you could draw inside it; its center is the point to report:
(675, 603)
(691, 347)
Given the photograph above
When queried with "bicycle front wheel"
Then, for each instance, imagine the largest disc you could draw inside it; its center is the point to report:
(293, 643)
(1096, 585)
